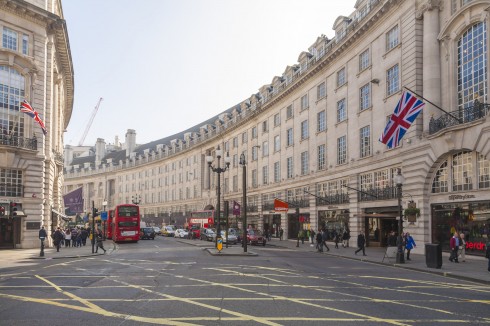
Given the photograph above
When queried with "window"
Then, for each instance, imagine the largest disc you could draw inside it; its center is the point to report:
(304, 130)
(289, 137)
(235, 183)
(483, 172)
(12, 92)
(321, 124)
(364, 94)
(341, 150)
(255, 153)
(265, 148)
(254, 178)
(321, 91)
(277, 119)
(364, 60)
(277, 172)
(235, 160)
(277, 143)
(365, 141)
(472, 66)
(321, 157)
(392, 38)
(9, 40)
(462, 170)
(265, 175)
(289, 112)
(392, 84)
(304, 102)
(304, 163)
(341, 77)
(235, 142)
(25, 44)
(244, 137)
(341, 110)
(11, 183)
(265, 126)
(440, 183)
(226, 148)
(254, 132)
(289, 165)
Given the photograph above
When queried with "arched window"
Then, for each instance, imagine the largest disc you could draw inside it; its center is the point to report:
(472, 65)
(12, 92)
(459, 173)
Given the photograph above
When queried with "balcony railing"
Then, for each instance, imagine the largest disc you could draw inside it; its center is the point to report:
(252, 208)
(372, 194)
(469, 114)
(269, 206)
(333, 199)
(15, 141)
(299, 203)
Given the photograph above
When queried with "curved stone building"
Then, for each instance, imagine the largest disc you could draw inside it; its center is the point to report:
(36, 66)
(310, 136)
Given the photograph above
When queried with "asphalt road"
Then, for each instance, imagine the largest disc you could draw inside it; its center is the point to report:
(170, 283)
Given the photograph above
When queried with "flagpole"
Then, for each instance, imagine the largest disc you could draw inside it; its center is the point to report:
(436, 106)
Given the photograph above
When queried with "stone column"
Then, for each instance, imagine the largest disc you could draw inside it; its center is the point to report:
(429, 12)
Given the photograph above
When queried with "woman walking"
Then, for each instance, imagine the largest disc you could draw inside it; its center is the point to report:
(462, 246)
(67, 237)
(409, 244)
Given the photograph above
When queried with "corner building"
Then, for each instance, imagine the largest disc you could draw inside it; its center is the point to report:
(35, 65)
(310, 137)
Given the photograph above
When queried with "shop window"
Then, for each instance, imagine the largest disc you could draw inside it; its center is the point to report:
(440, 183)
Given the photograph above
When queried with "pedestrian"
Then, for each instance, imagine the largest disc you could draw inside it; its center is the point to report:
(409, 244)
(324, 239)
(57, 237)
(361, 243)
(266, 234)
(337, 240)
(462, 247)
(319, 241)
(312, 236)
(454, 245)
(281, 232)
(392, 239)
(345, 238)
(67, 237)
(98, 237)
(42, 235)
(487, 254)
(74, 237)
(83, 236)
(301, 235)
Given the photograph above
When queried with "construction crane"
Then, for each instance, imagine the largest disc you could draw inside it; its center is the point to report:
(80, 143)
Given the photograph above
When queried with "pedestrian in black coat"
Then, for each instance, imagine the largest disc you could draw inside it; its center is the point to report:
(361, 243)
(57, 237)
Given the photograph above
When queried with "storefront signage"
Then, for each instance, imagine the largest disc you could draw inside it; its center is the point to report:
(460, 197)
(475, 245)
(332, 207)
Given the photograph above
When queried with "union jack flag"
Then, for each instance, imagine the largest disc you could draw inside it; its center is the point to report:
(27, 109)
(405, 113)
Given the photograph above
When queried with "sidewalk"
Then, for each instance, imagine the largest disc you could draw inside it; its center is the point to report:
(474, 269)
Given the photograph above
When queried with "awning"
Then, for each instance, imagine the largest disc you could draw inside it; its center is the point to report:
(63, 216)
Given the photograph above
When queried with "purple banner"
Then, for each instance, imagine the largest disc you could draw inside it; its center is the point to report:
(74, 201)
(236, 208)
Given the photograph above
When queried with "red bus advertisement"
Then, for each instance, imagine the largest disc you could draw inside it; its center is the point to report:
(200, 219)
(108, 224)
(126, 223)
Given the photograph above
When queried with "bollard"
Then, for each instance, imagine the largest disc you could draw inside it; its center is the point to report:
(41, 254)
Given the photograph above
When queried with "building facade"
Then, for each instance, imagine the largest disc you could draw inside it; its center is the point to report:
(310, 137)
(35, 65)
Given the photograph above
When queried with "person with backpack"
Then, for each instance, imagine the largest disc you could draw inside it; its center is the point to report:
(99, 239)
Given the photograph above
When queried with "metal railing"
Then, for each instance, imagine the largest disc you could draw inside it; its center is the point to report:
(332, 199)
(454, 118)
(372, 194)
(15, 141)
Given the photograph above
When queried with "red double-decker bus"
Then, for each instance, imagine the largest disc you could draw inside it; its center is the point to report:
(200, 219)
(126, 223)
(109, 225)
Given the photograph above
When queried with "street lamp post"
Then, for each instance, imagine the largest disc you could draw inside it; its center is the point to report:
(136, 199)
(244, 202)
(399, 180)
(218, 170)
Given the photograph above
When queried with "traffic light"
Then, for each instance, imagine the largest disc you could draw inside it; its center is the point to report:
(13, 209)
(96, 212)
(2, 210)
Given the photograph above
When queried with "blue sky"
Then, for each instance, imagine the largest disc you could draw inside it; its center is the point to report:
(162, 66)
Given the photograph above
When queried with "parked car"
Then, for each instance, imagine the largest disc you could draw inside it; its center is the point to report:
(168, 231)
(181, 233)
(157, 230)
(232, 239)
(207, 234)
(255, 237)
(147, 233)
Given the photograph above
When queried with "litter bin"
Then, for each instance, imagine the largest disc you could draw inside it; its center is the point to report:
(433, 255)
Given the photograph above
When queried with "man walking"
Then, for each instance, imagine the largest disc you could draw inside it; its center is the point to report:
(324, 239)
(100, 244)
(361, 243)
(57, 237)
(454, 244)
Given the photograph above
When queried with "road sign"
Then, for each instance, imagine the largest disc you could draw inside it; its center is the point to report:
(103, 216)
(219, 244)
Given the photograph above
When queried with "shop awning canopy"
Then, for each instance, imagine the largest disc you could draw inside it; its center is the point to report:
(63, 216)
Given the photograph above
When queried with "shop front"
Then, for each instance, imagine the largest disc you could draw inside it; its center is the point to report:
(379, 223)
(333, 221)
(272, 223)
(470, 218)
(295, 224)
